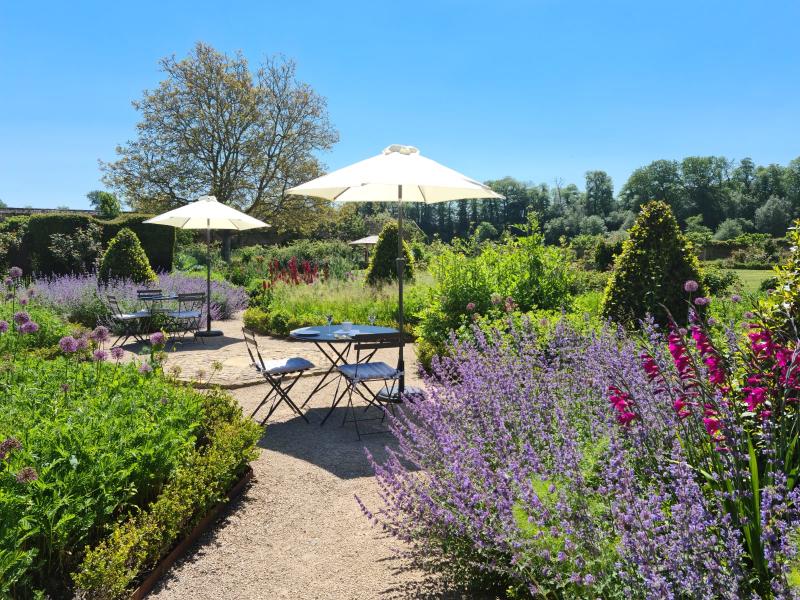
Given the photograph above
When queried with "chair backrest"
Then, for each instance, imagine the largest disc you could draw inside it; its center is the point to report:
(251, 344)
(371, 342)
(143, 294)
(191, 301)
(113, 304)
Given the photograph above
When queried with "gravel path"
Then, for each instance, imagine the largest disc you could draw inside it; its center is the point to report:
(298, 532)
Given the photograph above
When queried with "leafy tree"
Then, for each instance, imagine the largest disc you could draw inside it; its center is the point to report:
(485, 231)
(106, 204)
(3, 204)
(383, 264)
(649, 274)
(660, 180)
(77, 251)
(599, 193)
(769, 181)
(213, 126)
(592, 225)
(125, 259)
(694, 224)
(744, 174)
(704, 178)
(774, 217)
(729, 229)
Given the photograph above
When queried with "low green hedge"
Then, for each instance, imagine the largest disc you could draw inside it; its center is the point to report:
(112, 568)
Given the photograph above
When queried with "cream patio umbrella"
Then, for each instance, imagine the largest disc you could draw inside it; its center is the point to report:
(206, 213)
(399, 174)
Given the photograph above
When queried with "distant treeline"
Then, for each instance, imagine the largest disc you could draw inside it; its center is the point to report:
(723, 197)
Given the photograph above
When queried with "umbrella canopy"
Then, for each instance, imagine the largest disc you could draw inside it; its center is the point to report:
(399, 174)
(377, 179)
(370, 240)
(207, 213)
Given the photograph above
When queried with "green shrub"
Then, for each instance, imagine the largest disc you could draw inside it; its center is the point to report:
(12, 232)
(158, 241)
(125, 259)
(606, 252)
(649, 275)
(383, 264)
(110, 569)
(718, 281)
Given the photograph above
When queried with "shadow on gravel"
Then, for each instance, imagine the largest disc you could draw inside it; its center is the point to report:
(332, 447)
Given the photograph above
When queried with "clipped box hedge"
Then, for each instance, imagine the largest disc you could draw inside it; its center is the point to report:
(33, 254)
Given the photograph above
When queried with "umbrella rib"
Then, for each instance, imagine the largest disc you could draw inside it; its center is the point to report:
(424, 199)
(336, 197)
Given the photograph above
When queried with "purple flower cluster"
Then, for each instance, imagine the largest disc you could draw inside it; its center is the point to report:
(80, 298)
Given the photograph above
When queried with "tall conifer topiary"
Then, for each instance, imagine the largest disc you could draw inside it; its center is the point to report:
(650, 273)
(125, 259)
(383, 264)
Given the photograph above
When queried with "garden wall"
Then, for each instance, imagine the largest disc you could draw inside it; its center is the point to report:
(33, 253)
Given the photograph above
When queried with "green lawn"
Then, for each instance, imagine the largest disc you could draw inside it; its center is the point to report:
(752, 278)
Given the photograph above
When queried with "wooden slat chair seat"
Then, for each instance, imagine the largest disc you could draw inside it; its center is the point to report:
(280, 374)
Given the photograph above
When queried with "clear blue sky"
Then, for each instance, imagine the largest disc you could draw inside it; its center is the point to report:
(532, 89)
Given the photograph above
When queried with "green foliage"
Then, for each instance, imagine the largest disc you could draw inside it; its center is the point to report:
(485, 231)
(33, 250)
(519, 274)
(383, 264)
(649, 275)
(101, 447)
(718, 282)
(77, 252)
(780, 310)
(288, 307)
(125, 259)
(12, 232)
(110, 569)
(774, 216)
(606, 252)
(106, 204)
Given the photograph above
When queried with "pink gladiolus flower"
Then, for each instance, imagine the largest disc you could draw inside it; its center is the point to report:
(650, 367)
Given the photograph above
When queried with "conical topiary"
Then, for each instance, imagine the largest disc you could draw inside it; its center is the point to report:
(383, 264)
(125, 259)
(651, 270)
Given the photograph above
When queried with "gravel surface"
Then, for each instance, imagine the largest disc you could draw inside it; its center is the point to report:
(297, 532)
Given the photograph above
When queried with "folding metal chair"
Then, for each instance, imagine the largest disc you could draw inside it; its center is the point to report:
(186, 319)
(126, 325)
(356, 376)
(281, 375)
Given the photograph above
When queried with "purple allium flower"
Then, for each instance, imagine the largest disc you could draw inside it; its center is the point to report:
(3, 326)
(7, 446)
(65, 387)
(23, 301)
(117, 352)
(736, 298)
(15, 272)
(31, 292)
(83, 342)
(29, 327)
(701, 301)
(100, 334)
(21, 317)
(691, 286)
(496, 299)
(470, 307)
(27, 474)
(157, 339)
(145, 368)
(99, 355)
(68, 344)
(8, 281)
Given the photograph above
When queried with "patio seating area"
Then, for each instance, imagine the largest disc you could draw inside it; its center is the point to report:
(176, 314)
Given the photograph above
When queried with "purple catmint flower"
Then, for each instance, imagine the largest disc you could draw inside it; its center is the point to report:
(157, 339)
(68, 344)
(145, 368)
(21, 317)
(99, 355)
(29, 327)
(27, 475)
(3, 326)
(691, 286)
(100, 334)
(702, 301)
(117, 352)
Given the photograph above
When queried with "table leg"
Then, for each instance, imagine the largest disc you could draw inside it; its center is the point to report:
(335, 360)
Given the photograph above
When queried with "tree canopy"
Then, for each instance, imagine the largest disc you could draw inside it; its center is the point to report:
(214, 126)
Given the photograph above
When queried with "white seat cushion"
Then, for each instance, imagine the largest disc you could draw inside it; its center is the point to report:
(286, 365)
(369, 371)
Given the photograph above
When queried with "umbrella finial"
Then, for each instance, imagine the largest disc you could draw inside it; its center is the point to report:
(400, 149)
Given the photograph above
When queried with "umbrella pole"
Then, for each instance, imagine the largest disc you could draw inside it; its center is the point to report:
(208, 332)
(400, 274)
